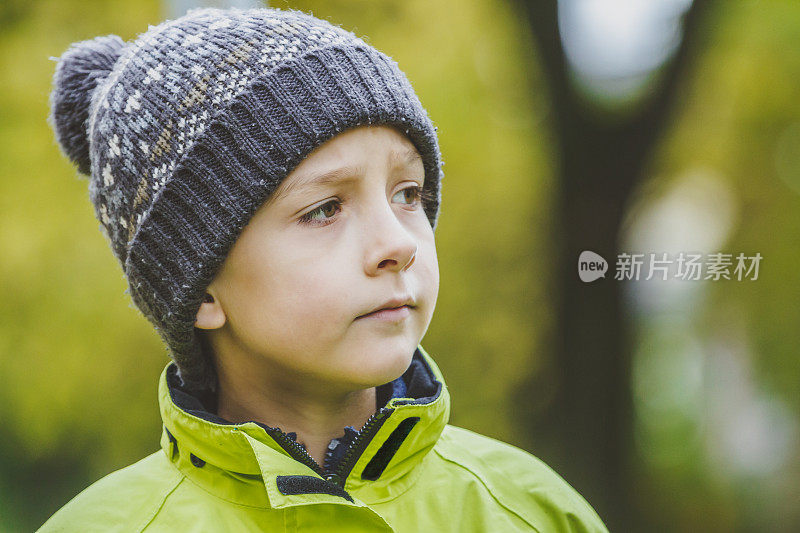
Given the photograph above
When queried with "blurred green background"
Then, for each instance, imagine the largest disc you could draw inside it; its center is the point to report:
(708, 403)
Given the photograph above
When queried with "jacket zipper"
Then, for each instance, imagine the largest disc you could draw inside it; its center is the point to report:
(356, 448)
(295, 450)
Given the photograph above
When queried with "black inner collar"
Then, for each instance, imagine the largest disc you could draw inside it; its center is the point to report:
(418, 381)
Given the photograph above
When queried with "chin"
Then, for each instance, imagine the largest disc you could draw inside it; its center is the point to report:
(388, 366)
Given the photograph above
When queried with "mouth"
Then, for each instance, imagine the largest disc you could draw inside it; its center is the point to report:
(390, 313)
(393, 309)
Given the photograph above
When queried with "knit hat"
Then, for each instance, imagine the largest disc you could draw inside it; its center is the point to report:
(185, 131)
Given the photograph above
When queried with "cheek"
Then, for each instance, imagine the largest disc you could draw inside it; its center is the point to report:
(428, 268)
(296, 296)
(295, 314)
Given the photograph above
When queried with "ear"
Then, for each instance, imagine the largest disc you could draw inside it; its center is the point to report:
(210, 315)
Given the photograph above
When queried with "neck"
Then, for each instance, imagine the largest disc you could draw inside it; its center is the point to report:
(317, 415)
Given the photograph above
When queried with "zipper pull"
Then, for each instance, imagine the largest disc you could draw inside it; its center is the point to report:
(334, 478)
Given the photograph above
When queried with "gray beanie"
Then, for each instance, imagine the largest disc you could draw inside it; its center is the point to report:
(185, 131)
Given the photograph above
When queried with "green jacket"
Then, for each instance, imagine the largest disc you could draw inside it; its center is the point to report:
(407, 471)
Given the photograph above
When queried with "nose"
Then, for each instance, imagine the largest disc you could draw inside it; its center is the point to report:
(389, 244)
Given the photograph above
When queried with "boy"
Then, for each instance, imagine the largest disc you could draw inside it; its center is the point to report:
(271, 185)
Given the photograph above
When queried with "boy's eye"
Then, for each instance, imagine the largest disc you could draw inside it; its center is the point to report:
(323, 215)
(325, 210)
(411, 194)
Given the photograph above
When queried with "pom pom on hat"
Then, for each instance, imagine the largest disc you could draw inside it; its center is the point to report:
(78, 72)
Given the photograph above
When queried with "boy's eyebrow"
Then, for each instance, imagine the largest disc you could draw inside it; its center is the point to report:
(399, 159)
(406, 157)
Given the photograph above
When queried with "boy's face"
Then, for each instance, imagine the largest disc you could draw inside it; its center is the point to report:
(317, 256)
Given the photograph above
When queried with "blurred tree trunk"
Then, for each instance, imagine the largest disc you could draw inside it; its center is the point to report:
(585, 430)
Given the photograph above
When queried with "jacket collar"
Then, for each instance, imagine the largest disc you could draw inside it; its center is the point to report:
(237, 462)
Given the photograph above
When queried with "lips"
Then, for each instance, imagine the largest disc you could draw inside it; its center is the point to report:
(394, 303)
